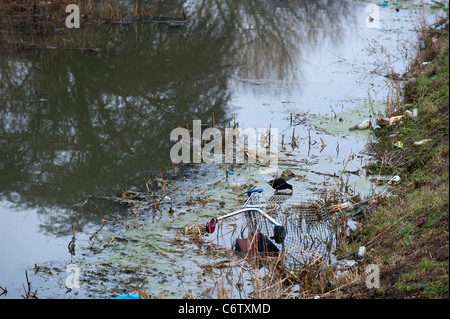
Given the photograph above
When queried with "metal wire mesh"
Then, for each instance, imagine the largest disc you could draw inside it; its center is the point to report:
(309, 236)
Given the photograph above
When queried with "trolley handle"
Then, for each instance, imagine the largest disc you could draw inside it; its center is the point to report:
(259, 190)
(279, 231)
(211, 225)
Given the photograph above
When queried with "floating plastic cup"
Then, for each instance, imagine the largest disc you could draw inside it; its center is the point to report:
(376, 128)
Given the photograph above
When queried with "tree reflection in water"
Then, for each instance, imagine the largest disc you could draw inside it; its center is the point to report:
(74, 122)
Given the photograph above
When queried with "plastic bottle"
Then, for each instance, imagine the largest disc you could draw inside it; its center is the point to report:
(422, 45)
(397, 118)
(364, 125)
(361, 252)
(422, 142)
(409, 114)
(394, 180)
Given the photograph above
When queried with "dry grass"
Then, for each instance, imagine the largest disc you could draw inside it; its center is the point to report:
(21, 21)
(195, 232)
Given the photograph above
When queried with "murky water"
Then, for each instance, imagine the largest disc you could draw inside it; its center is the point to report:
(77, 123)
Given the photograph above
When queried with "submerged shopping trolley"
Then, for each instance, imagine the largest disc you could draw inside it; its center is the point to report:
(301, 228)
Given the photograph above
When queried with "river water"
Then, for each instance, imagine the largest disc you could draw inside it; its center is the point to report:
(78, 124)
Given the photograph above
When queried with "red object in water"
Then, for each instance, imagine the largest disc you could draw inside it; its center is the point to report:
(249, 244)
(211, 226)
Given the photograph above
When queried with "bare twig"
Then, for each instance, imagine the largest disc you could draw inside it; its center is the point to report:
(71, 245)
(28, 293)
(4, 290)
(104, 220)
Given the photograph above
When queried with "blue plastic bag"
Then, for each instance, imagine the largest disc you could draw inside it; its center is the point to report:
(127, 296)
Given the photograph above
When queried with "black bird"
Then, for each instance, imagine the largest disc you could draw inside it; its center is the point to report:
(280, 184)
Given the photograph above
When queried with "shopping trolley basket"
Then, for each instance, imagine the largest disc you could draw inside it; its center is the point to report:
(299, 227)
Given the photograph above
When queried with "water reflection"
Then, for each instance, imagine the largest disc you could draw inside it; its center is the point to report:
(280, 37)
(76, 122)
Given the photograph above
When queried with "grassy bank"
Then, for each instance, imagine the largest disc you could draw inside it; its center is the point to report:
(406, 235)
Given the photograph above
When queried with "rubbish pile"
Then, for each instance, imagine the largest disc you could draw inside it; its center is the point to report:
(383, 121)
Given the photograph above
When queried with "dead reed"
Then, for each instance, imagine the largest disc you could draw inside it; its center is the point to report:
(71, 245)
(21, 22)
(29, 294)
(4, 291)
(195, 232)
